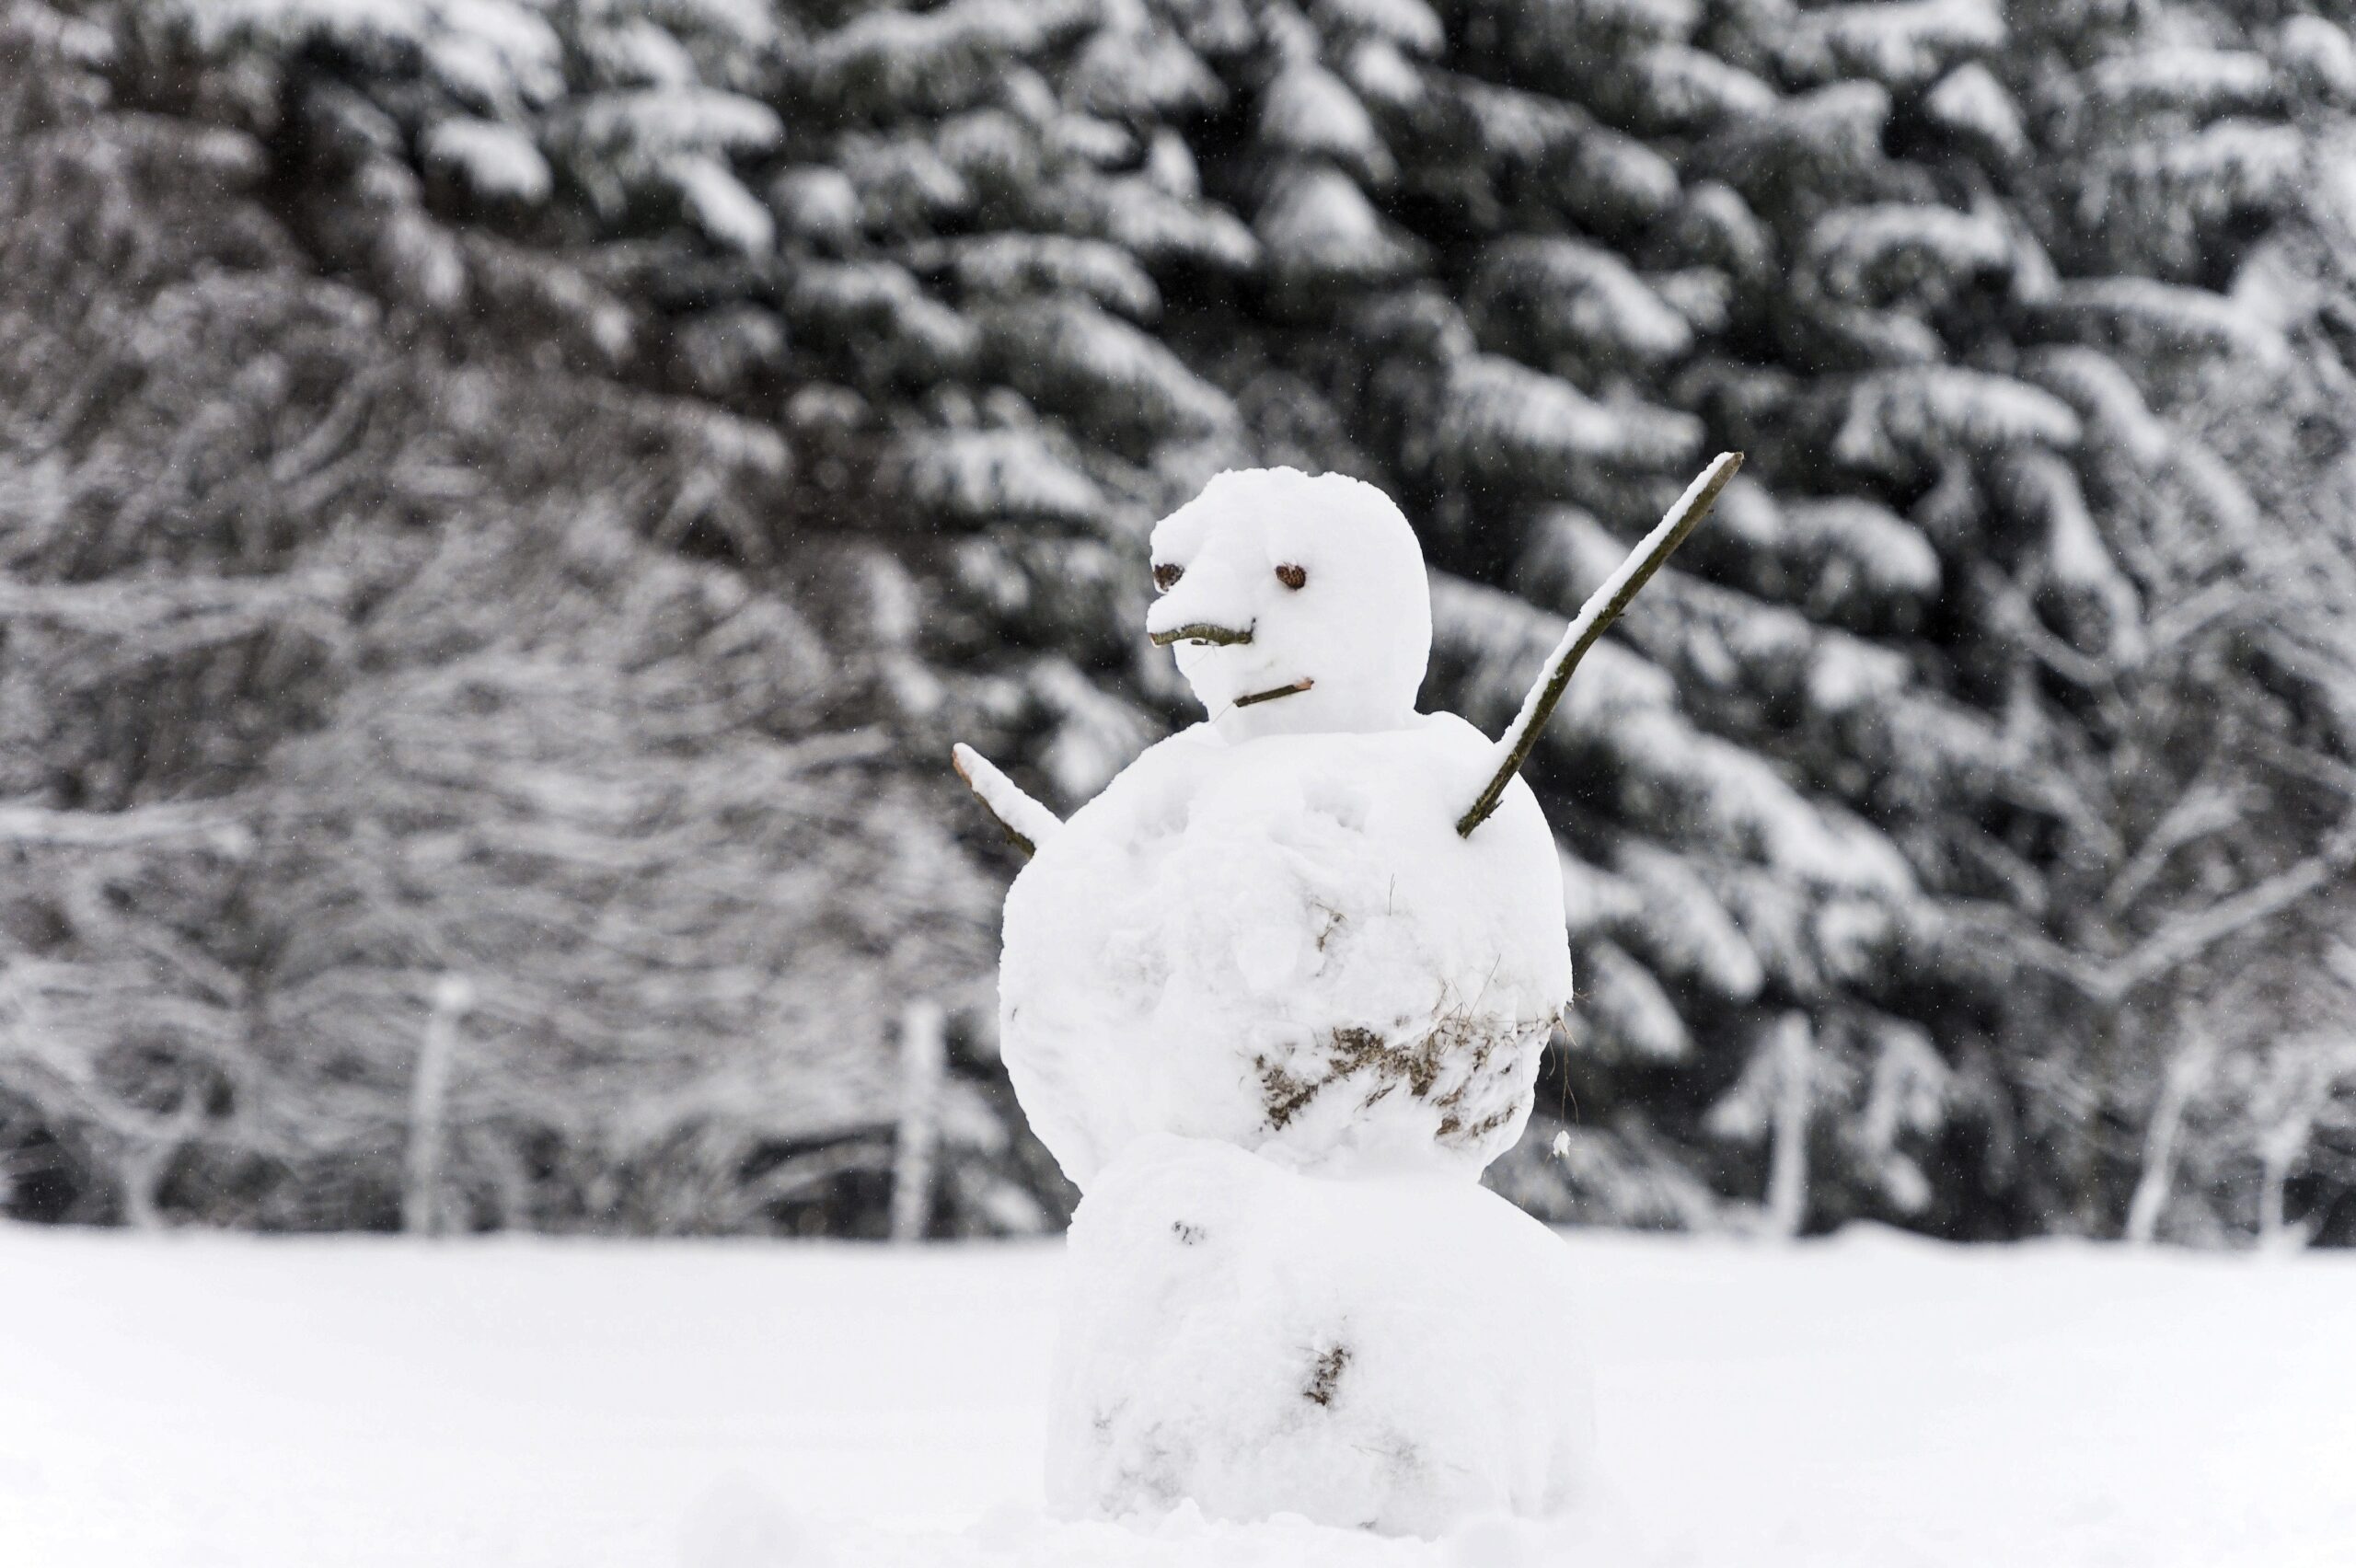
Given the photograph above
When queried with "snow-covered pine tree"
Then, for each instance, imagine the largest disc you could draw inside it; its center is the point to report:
(2001, 708)
(1904, 743)
(346, 658)
(983, 208)
(161, 349)
(2238, 978)
(926, 245)
(2186, 639)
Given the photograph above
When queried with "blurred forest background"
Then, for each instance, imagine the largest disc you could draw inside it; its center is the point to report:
(504, 505)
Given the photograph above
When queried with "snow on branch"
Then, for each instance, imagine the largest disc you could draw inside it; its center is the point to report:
(26, 823)
(1602, 607)
(2186, 938)
(1026, 821)
(2111, 982)
(192, 612)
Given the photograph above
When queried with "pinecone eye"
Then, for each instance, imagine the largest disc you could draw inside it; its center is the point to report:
(1291, 576)
(1166, 575)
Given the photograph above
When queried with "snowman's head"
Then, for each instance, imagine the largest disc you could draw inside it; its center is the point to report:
(1294, 604)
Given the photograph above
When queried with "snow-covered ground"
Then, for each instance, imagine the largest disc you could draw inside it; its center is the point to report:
(1872, 1400)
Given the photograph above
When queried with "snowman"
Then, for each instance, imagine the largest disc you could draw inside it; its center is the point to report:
(1273, 1000)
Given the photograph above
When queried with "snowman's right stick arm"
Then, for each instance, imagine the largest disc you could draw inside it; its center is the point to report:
(1602, 607)
(1026, 821)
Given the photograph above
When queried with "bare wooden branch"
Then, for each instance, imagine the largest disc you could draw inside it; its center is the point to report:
(1602, 607)
(1302, 684)
(1202, 631)
(1027, 823)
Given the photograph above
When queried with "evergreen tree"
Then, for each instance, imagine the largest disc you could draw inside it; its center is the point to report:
(523, 492)
(347, 672)
(1889, 828)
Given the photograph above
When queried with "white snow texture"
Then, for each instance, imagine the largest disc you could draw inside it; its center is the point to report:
(1267, 939)
(531, 1401)
(1394, 1353)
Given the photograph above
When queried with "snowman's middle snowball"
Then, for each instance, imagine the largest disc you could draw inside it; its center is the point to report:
(1285, 945)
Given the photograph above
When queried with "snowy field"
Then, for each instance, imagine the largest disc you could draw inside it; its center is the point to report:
(1872, 1400)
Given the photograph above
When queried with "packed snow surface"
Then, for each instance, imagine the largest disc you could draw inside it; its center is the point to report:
(1398, 1352)
(1866, 1402)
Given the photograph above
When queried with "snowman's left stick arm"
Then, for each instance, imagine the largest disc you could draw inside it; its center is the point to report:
(1602, 607)
(1026, 821)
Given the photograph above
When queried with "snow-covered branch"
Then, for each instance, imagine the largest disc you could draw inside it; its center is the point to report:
(111, 830)
(1027, 823)
(2111, 981)
(2204, 809)
(2183, 939)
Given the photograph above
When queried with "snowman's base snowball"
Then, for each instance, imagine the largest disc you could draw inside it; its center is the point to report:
(1392, 1353)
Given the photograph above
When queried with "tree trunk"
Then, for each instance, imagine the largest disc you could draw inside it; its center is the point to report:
(428, 1106)
(2188, 1070)
(923, 1054)
(1795, 1107)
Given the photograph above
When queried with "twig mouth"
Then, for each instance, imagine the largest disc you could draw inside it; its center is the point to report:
(1275, 692)
(1202, 631)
